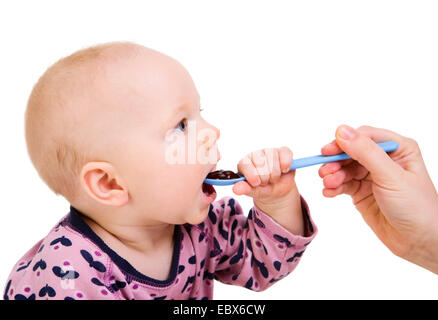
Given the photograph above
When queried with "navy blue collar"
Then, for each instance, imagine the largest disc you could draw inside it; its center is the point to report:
(76, 222)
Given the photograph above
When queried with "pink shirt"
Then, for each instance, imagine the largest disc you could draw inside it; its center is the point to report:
(72, 262)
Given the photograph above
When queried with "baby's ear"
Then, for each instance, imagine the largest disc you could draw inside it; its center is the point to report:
(101, 182)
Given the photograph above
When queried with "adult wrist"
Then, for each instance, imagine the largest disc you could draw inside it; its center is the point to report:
(425, 254)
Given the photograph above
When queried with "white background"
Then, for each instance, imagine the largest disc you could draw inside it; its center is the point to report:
(270, 73)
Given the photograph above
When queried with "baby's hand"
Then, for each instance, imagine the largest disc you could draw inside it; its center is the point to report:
(267, 174)
(271, 183)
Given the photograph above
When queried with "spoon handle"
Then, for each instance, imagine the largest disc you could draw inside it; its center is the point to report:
(387, 146)
(305, 162)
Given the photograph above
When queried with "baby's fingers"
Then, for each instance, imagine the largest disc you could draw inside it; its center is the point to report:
(247, 168)
(261, 164)
(273, 163)
(285, 156)
(241, 187)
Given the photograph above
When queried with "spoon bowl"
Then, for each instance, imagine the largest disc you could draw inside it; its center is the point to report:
(225, 182)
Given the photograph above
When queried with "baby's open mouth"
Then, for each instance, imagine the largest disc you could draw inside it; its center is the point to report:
(208, 189)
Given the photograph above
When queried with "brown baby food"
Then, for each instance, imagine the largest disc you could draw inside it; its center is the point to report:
(223, 175)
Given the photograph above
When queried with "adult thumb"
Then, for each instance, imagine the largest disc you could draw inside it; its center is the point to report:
(368, 153)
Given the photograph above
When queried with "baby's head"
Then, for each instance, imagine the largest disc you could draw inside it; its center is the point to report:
(105, 126)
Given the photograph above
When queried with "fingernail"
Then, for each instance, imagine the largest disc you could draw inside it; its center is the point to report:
(346, 132)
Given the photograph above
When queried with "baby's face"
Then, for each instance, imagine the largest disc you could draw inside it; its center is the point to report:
(164, 148)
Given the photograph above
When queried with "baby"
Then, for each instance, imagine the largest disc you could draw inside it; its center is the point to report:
(103, 129)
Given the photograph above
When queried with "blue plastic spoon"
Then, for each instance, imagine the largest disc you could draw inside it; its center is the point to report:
(387, 146)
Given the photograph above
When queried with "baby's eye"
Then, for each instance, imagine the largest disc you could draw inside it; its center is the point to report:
(201, 109)
(182, 125)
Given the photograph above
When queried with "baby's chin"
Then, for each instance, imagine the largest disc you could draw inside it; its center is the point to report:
(197, 217)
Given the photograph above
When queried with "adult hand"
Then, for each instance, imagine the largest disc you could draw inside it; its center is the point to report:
(392, 191)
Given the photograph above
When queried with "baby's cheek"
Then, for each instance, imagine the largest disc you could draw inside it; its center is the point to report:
(174, 149)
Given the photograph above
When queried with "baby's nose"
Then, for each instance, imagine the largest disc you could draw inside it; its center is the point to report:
(214, 131)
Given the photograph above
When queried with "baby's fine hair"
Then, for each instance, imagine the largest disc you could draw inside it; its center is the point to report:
(51, 128)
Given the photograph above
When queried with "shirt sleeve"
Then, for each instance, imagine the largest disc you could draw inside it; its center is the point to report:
(254, 251)
(59, 269)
